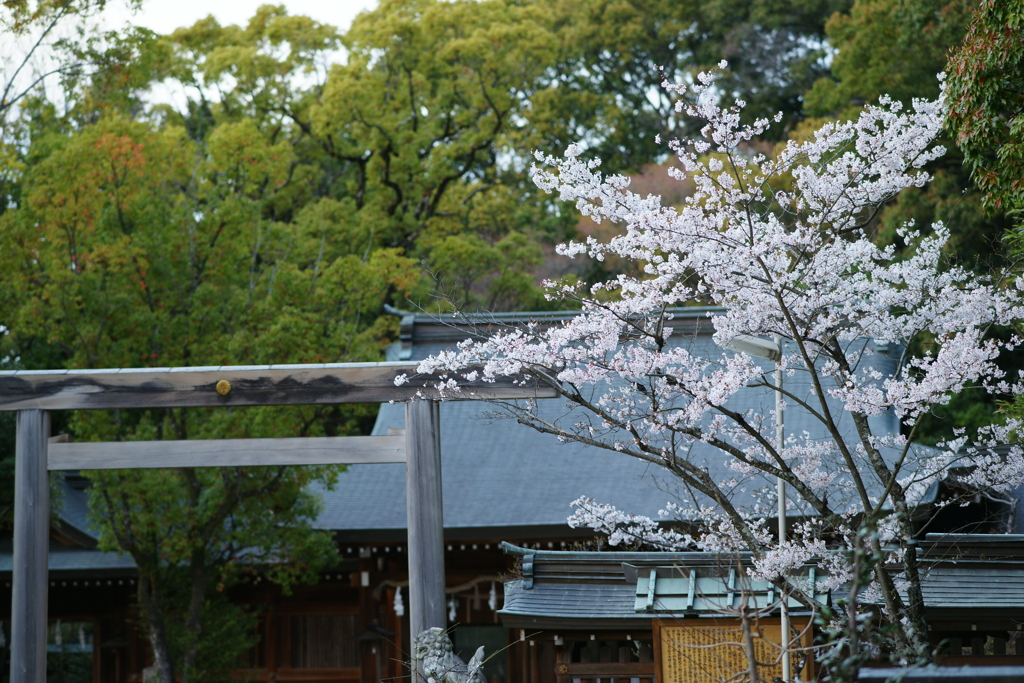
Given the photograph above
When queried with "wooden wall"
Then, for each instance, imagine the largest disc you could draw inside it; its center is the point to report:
(347, 602)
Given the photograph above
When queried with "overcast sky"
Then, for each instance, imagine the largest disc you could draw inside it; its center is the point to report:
(163, 16)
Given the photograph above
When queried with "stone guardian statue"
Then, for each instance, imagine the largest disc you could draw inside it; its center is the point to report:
(435, 660)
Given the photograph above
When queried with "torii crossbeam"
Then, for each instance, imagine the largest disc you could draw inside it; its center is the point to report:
(33, 393)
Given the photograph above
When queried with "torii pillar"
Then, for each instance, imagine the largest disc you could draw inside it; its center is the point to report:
(31, 548)
(425, 516)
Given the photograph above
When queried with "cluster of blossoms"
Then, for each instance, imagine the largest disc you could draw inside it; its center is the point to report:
(781, 245)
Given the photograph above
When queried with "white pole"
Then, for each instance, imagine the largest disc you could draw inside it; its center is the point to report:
(780, 443)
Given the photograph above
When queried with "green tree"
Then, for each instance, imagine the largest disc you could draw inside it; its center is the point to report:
(405, 137)
(888, 47)
(191, 531)
(135, 245)
(986, 113)
(615, 54)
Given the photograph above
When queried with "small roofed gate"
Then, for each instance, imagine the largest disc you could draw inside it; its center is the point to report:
(655, 617)
(34, 393)
(699, 628)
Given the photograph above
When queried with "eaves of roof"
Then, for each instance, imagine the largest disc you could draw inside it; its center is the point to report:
(567, 589)
(74, 562)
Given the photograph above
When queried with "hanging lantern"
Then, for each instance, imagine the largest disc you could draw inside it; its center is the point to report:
(492, 599)
(452, 605)
(398, 604)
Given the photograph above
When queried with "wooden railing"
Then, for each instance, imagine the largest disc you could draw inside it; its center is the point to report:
(607, 672)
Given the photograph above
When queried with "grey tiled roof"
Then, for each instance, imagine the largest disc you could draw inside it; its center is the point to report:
(495, 474)
(76, 508)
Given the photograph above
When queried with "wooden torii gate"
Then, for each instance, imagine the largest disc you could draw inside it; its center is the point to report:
(34, 393)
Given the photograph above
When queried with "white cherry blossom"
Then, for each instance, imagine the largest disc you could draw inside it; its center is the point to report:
(781, 245)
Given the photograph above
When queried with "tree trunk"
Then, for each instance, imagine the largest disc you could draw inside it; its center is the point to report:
(918, 633)
(748, 644)
(194, 616)
(152, 603)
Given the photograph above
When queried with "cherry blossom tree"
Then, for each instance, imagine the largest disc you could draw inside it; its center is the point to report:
(781, 243)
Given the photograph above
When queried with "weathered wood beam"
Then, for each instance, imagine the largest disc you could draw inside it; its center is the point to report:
(338, 450)
(425, 518)
(31, 548)
(246, 385)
